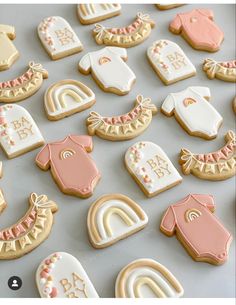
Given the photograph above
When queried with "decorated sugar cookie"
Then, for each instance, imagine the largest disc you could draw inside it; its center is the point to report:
(9, 53)
(23, 86)
(58, 37)
(163, 7)
(1, 170)
(201, 233)
(234, 104)
(94, 12)
(169, 61)
(193, 111)
(109, 69)
(219, 165)
(3, 203)
(67, 97)
(222, 70)
(151, 168)
(125, 37)
(198, 28)
(146, 278)
(112, 218)
(18, 131)
(61, 275)
(30, 231)
(123, 127)
(72, 168)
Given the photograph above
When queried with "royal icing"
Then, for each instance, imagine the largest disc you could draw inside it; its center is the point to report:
(58, 37)
(126, 126)
(91, 12)
(221, 70)
(2, 201)
(67, 97)
(198, 27)
(198, 228)
(126, 37)
(194, 112)
(19, 133)
(151, 168)
(30, 231)
(109, 69)
(9, 53)
(23, 86)
(146, 278)
(219, 165)
(169, 61)
(234, 104)
(114, 217)
(61, 275)
(72, 168)
(1, 170)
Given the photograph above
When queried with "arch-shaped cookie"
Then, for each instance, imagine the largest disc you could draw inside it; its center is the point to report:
(222, 70)
(131, 219)
(219, 165)
(125, 37)
(30, 231)
(67, 97)
(123, 127)
(160, 281)
(23, 86)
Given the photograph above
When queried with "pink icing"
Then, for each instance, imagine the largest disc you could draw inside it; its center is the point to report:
(17, 81)
(125, 118)
(127, 30)
(222, 154)
(229, 64)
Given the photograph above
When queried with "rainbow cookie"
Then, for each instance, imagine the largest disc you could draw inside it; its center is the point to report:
(123, 127)
(9, 53)
(112, 218)
(94, 12)
(125, 37)
(30, 231)
(219, 165)
(146, 278)
(23, 86)
(225, 70)
(150, 167)
(58, 38)
(61, 275)
(201, 233)
(67, 97)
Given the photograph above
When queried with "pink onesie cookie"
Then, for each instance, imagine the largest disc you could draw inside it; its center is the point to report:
(71, 166)
(199, 29)
(198, 229)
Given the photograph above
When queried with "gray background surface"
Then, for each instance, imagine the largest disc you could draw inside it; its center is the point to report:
(69, 233)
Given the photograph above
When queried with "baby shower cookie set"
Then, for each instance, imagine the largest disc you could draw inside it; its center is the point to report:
(114, 217)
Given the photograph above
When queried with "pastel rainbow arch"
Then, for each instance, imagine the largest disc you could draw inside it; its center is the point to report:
(114, 217)
(189, 101)
(192, 214)
(67, 153)
(146, 278)
(104, 60)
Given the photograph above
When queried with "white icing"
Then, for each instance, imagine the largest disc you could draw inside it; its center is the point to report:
(119, 228)
(167, 55)
(114, 72)
(71, 104)
(63, 269)
(96, 10)
(50, 31)
(200, 116)
(23, 132)
(149, 151)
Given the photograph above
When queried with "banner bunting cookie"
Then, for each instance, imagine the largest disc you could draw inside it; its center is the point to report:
(219, 165)
(125, 37)
(30, 231)
(126, 126)
(112, 218)
(23, 86)
(157, 279)
(222, 70)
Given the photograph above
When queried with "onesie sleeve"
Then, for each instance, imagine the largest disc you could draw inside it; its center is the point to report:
(168, 222)
(203, 91)
(43, 158)
(206, 200)
(176, 24)
(206, 12)
(122, 52)
(85, 141)
(85, 63)
(168, 105)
